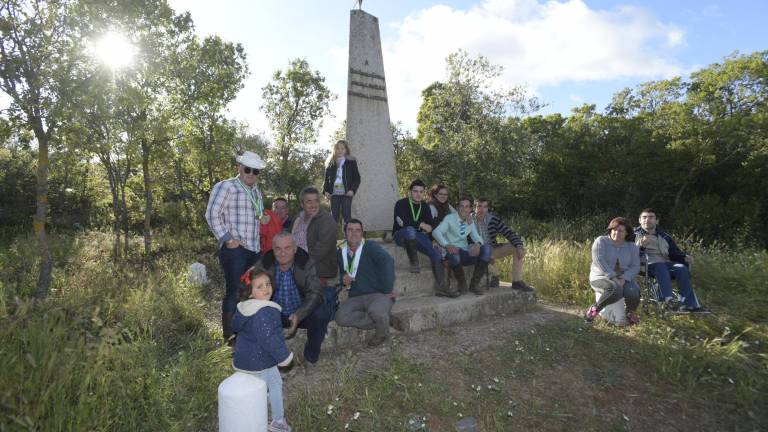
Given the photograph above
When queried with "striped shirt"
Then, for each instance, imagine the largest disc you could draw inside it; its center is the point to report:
(231, 214)
(491, 226)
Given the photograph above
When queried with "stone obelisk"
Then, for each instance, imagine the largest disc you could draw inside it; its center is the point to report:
(368, 133)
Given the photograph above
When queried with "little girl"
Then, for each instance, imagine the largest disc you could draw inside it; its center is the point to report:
(342, 178)
(260, 347)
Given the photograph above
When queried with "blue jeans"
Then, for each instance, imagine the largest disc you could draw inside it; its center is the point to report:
(665, 272)
(274, 383)
(316, 324)
(234, 262)
(423, 243)
(464, 258)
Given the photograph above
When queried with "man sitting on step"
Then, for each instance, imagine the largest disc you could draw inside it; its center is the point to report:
(368, 274)
(491, 226)
(413, 223)
(452, 235)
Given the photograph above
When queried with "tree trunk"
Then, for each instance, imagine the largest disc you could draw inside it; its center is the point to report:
(145, 148)
(124, 209)
(46, 260)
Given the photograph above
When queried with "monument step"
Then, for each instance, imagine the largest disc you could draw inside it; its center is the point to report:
(429, 312)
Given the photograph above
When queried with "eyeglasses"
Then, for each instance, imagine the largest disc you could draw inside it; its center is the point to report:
(249, 170)
(442, 194)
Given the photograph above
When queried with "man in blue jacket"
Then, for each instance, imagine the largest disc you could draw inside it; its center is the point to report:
(368, 273)
(666, 262)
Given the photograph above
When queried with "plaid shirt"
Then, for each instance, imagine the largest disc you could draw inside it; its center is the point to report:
(287, 294)
(491, 226)
(231, 215)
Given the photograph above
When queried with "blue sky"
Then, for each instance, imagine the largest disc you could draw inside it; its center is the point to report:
(565, 52)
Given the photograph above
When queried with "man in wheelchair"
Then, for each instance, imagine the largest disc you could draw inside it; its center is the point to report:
(667, 262)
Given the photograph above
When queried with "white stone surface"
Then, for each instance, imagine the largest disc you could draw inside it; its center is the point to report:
(614, 313)
(368, 133)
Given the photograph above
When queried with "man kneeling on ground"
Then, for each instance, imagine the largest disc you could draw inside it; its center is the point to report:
(490, 226)
(368, 273)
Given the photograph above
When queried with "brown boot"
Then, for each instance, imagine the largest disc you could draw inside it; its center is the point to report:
(481, 268)
(413, 256)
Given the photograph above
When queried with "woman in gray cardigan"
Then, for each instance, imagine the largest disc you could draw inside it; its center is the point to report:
(615, 263)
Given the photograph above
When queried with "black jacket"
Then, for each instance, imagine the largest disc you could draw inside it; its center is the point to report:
(305, 276)
(349, 174)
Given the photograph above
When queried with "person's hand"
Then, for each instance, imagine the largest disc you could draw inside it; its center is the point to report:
(232, 244)
(392, 295)
(265, 218)
(620, 281)
(350, 193)
(347, 279)
(520, 252)
(474, 250)
(453, 250)
(689, 259)
(327, 196)
(644, 241)
(427, 228)
(291, 330)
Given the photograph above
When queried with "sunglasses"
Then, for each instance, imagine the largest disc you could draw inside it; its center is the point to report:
(249, 170)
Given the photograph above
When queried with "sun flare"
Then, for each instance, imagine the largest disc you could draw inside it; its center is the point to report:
(115, 50)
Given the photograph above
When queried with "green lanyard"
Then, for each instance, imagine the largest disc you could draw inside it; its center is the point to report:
(414, 214)
(255, 201)
(351, 261)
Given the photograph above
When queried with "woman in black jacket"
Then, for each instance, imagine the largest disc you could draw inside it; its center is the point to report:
(342, 179)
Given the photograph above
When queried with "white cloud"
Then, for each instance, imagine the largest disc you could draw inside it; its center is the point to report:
(539, 44)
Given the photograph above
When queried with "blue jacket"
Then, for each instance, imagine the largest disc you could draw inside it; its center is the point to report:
(260, 343)
(673, 252)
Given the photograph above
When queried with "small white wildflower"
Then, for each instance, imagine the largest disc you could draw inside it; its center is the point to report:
(356, 416)
(460, 415)
(455, 404)
(625, 417)
(730, 380)
(509, 413)
(346, 426)
(495, 379)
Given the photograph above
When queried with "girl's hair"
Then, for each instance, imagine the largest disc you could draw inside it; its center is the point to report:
(442, 208)
(332, 157)
(244, 293)
(615, 222)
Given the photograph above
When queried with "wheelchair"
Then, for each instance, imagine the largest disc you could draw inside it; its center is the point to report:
(652, 300)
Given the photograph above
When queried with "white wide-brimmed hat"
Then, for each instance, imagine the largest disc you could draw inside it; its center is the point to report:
(251, 160)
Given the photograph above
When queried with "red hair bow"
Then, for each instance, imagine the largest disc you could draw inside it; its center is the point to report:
(246, 278)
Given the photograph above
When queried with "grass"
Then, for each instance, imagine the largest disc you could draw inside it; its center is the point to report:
(130, 346)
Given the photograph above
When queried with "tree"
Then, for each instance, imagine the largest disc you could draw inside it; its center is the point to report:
(295, 102)
(41, 54)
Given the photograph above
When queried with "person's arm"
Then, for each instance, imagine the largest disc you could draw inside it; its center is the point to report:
(328, 180)
(675, 253)
(385, 267)
(440, 231)
(634, 264)
(214, 214)
(600, 259)
(426, 213)
(313, 291)
(325, 244)
(474, 235)
(269, 325)
(508, 234)
(354, 175)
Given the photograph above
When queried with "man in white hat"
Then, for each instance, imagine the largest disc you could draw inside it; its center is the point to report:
(235, 209)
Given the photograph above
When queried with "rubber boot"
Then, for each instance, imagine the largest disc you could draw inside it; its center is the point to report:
(481, 268)
(413, 255)
(226, 328)
(442, 287)
(461, 280)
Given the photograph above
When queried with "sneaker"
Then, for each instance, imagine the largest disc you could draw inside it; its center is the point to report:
(415, 267)
(279, 426)
(494, 281)
(633, 318)
(590, 314)
(522, 286)
(672, 304)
